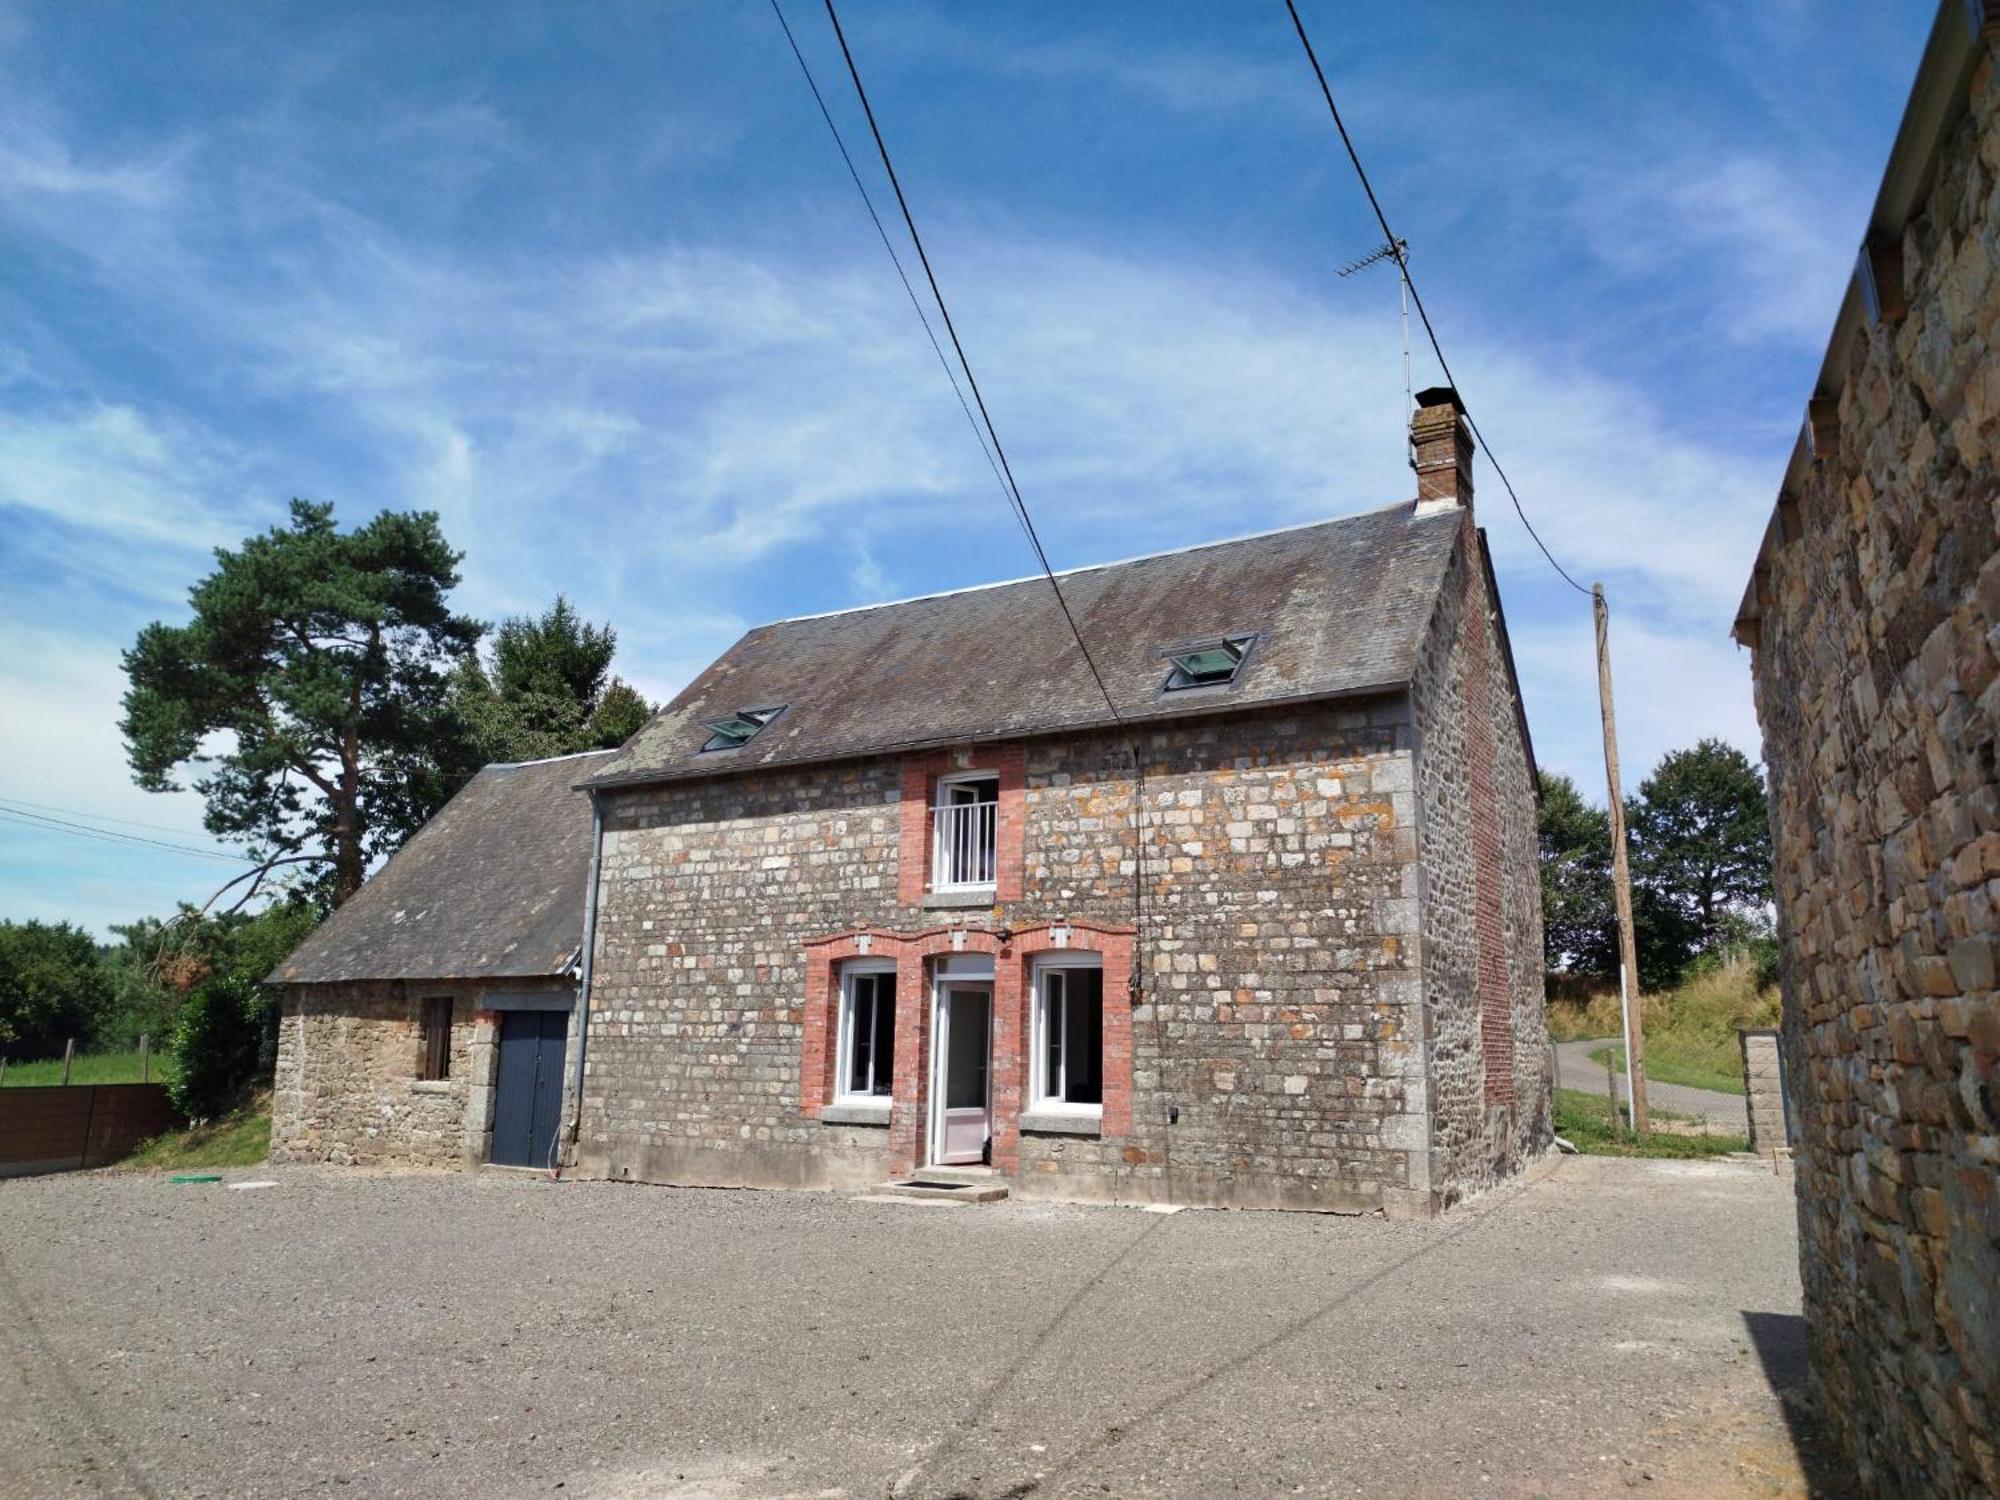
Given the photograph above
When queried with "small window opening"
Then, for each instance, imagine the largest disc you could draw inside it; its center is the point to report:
(965, 826)
(1208, 665)
(739, 728)
(868, 1034)
(436, 1062)
(1069, 1021)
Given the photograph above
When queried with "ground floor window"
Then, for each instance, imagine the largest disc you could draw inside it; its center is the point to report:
(867, 1030)
(435, 1064)
(1069, 1035)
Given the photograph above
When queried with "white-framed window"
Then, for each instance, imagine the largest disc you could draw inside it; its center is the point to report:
(867, 1029)
(1069, 1033)
(965, 825)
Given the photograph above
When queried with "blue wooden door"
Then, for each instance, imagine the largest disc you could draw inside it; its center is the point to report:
(528, 1094)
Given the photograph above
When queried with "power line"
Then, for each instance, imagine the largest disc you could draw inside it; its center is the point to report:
(44, 824)
(1402, 263)
(93, 817)
(868, 202)
(1013, 489)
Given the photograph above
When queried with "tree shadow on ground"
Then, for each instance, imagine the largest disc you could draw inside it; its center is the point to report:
(1780, 1340)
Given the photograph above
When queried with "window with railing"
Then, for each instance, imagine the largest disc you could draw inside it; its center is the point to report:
(965, 823)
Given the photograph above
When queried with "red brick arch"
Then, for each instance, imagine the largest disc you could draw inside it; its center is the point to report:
(1013, 954)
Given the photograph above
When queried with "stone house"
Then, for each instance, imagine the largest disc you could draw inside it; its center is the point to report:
(1873, 617)
(890, 891)
(430, 1020)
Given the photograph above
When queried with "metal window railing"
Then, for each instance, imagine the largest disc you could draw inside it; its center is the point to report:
(962, 845)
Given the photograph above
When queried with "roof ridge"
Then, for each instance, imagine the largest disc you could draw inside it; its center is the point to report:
(546, 760)
(1099, 567)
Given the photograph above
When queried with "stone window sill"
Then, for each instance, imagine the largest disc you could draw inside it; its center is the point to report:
(1063, 1122)
(958, 900)
(857, 1113)
(431, 1086)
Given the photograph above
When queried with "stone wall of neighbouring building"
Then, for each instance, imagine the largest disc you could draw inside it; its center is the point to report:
(1281, 1016)
(1482, 914)
(349, 1088)
(1875, 622)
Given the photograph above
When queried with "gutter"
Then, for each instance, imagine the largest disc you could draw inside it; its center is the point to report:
(589, 953)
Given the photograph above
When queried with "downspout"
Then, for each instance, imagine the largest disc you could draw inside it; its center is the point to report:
(588, 966)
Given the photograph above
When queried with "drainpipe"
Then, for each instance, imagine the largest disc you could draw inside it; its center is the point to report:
(583, 978)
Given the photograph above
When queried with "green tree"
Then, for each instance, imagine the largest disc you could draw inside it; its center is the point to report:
(53, 988)
(1701, 837)
(1579, 921)
(549, 691)
(310, 690)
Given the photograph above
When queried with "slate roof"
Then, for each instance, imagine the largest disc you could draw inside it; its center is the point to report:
(491, 888)
(1340, 609)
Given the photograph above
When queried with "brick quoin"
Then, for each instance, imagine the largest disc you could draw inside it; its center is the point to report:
(1013, 966)
(1496, 1021)
(920, 779)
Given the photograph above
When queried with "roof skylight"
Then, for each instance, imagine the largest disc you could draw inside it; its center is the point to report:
(739, 728)
(1210, 664)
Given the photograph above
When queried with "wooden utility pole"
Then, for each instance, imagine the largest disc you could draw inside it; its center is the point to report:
(1621, 878)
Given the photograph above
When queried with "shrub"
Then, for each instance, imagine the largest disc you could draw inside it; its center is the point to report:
(222, 1043)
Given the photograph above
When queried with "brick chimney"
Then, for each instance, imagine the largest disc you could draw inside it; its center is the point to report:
(1441, 451)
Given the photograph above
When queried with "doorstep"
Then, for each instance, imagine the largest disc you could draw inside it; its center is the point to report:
(947, 1185)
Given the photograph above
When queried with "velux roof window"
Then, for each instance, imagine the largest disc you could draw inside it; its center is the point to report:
(739, 728)
(1209, 664)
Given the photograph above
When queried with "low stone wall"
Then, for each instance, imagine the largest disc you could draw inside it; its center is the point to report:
(1764, 1084)
(1878, 690)
(348, 1089)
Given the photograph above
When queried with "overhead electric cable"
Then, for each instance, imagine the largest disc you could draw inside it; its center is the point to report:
(87, 816)
(868, 202)
(78, 830)
(1402, 262)
(1013, 489)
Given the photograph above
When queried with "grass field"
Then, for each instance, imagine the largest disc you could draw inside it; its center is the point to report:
(1690, 1031)
(239, 1140)
(1584, 1120)
(91, 1067)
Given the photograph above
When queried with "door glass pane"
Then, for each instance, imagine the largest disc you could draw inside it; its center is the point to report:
(1083, 1039)
(965, 1058)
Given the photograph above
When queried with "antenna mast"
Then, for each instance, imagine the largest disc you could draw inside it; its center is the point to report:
(1398, 251)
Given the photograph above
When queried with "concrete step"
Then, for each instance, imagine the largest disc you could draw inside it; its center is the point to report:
(943, 1192)
(954, 1176)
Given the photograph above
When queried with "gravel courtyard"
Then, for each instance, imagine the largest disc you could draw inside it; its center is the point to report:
(1605, 1327)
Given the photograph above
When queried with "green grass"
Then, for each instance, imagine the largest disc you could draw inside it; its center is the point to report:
(1690, 1031)
(90, 1067)
(242, 1139)
(1585, 1121)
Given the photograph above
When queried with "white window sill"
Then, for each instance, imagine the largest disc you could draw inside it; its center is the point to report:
(431, 1086)
(1064, 1119)
(855, 1112)
(962, 896)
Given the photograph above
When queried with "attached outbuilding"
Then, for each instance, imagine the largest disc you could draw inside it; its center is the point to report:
(432, 1019)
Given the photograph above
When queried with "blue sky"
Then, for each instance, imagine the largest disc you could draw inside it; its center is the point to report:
(591, 282)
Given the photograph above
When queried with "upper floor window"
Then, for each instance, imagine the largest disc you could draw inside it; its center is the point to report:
(1069, 1033)
(965, 822)
(867, 1030)
(1208, 664)
(739, 728)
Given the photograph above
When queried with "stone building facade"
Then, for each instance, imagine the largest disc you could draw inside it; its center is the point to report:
(1306, 899)
(1874, 618)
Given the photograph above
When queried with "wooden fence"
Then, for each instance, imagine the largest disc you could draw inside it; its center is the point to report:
(58, 1129)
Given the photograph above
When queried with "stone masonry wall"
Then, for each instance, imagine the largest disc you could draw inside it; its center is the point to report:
(347, 1088)
(1879, 695)
(1281, 1015)
(1486, 1030)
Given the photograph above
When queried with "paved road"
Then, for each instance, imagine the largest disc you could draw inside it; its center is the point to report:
(1609, 1325)
(1722, 1111)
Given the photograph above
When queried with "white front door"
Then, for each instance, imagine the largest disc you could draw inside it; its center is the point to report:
(959, 1071)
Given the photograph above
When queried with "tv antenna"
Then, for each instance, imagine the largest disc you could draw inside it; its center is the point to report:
(1398, 251)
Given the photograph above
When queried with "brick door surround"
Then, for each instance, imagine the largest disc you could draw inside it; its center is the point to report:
(1013, 955)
